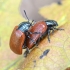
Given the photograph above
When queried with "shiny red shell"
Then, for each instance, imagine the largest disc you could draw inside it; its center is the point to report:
(38, 27)
(17, 40)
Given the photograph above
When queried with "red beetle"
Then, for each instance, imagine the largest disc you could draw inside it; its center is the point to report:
(41, 28)
(18, 36)
(38, 29)
(17, 40)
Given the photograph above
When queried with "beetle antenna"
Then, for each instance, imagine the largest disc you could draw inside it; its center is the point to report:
(26, 15)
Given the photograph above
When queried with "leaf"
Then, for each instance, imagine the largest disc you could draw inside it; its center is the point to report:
(58, 58)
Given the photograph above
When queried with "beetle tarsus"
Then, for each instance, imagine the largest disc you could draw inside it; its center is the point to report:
(49, 35)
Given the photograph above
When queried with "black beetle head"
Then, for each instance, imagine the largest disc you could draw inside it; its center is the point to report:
(51, 23)
(24, 26)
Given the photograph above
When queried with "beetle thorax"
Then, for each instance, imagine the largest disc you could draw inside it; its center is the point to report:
(24, 26)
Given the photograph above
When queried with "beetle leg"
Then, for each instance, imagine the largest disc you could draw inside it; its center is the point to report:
(55, 29)
(31, 39)
(52, 30)
(39, 37)
(49, 35)
(26, 52)
(58, 29)
(24, 45)
(39, 40)
(34, 32)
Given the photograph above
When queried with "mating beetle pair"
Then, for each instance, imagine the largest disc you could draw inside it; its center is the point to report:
(25, 35)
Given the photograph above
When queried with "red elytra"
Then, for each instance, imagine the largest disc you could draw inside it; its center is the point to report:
(17, 40)
(38, 27)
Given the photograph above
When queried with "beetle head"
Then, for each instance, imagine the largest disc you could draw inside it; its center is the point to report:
(51, 23)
